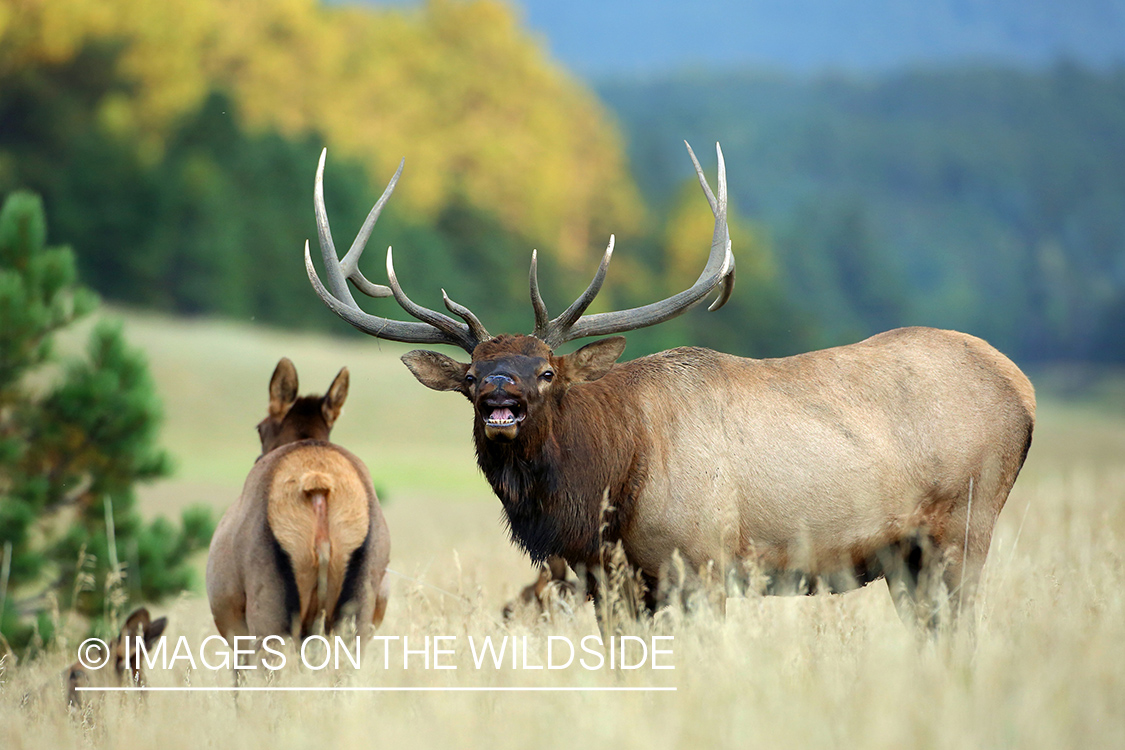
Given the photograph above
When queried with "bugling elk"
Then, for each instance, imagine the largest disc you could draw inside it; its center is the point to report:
(890, 457)
(306, 537)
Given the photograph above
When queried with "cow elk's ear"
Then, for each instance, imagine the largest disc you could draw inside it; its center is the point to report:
(333, 401)
(136, 625)
(283, 389)
(137, 622)
(435, 370)
(154, 630)
(594, 360)
(140, 624)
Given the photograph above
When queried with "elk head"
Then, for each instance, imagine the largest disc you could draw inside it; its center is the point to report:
(121, 666)
(511, 378)
(307, 418)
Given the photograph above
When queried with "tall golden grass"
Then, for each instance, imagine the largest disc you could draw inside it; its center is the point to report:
(1044, 667)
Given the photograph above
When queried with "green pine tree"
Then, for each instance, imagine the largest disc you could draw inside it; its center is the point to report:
(75, 436)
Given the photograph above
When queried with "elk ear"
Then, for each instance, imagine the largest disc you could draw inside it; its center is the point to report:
(435, 370)
(594, 360)
(154, 630)
(333, 401)
(283, 388)
(135, 625)
(140, 623)
(137, 622)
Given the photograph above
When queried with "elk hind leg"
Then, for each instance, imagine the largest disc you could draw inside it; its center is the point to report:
(914, 568)
(965, 555)
(695, 592)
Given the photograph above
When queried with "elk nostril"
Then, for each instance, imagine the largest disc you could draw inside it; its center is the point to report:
(499, 380)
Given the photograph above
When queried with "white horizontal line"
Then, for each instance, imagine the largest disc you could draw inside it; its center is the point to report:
(389, 689)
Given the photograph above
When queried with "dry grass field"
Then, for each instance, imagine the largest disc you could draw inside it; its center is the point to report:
(1046, 668)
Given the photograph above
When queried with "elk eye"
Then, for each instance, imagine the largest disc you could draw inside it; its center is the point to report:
(470, 378)
(547, 376)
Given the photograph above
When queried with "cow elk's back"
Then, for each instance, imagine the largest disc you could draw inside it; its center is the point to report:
(318, 512)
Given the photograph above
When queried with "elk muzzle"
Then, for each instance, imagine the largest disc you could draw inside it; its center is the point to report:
(500, 407)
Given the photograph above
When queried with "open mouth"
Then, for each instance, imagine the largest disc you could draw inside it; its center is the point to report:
(503, 415)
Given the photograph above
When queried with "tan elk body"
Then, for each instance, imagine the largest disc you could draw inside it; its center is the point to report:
(820, 461)
(307, 536)
(891, 457)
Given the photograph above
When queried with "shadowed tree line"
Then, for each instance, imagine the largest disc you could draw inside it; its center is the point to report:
(986, 200)
(215, 224)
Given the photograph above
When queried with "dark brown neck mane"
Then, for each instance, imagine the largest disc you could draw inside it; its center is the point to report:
(554, 479)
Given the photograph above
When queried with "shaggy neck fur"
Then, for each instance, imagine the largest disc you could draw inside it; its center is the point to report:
(552, 479)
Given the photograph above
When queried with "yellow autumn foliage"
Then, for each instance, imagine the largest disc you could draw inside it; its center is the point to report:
(458, 88)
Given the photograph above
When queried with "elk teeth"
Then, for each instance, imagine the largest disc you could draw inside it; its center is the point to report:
(501, 418)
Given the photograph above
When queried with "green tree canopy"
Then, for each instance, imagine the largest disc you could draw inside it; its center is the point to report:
(75, 436)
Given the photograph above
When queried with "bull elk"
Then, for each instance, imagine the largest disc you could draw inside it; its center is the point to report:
(121, 666)
(891, 457)
(306, 537)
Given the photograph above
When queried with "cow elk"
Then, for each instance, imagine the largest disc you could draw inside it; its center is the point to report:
(306, 538)
(121, 668)
(890, 457)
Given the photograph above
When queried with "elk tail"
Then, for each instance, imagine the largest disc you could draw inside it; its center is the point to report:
(317, 486)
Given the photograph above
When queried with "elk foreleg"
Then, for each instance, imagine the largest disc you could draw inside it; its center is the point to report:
(550, 585)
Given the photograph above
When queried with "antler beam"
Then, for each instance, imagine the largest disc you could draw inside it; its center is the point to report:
(433, 328)
(572, 324)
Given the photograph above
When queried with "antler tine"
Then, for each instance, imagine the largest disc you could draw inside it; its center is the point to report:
(371, 290)
(718, 210)
(337, 283)
(350, 262)
(475, 328)
(408, 331)
(339, 271)
(458, 331)
(541, 319)
(703, 178)
(433, 328)
(718, 270)
(561, 325)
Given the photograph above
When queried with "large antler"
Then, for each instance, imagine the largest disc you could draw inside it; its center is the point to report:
(719, 270)
(434, 328)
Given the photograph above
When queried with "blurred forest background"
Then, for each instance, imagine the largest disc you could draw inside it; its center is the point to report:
(174, 145)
